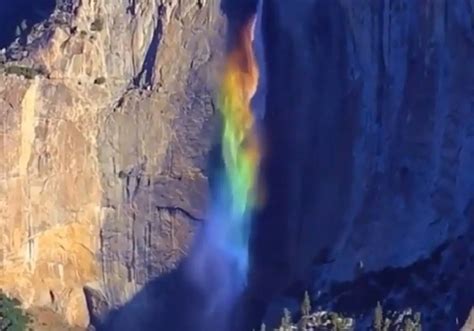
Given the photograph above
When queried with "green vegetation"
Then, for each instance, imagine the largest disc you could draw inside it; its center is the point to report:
(332, 321)
(12, 317)
(286, 322)
(99, 80)
(378, 318)
(306, 305)
(97, 24)
(405, 321)
(21, 28)
(27, 72)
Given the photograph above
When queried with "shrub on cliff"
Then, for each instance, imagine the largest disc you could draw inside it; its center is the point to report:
(27, 72)
(12, 317)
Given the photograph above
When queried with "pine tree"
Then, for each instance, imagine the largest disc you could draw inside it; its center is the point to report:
(378, 317)
(306, 305)
(386, 325)
(23, 25)
(286, 320)
(408, 325)
(418, 322)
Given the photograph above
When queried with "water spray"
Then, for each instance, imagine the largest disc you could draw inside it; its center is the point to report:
(219, 261)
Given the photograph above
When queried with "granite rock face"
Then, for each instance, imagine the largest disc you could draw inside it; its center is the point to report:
(469, 326)
(106, 125)
(370, 121)
(106, 113)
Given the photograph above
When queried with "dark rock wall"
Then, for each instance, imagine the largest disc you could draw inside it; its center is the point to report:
(369, 125)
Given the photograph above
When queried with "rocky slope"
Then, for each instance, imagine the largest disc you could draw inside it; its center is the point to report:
(103, 151)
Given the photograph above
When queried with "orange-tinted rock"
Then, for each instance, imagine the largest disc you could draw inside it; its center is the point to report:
(79, 162)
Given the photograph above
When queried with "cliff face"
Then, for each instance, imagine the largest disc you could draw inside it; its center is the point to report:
(107, 123)
(103, 152)
(370, 126)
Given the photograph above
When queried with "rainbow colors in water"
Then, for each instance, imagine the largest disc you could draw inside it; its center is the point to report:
(240, 144)
(218, 263)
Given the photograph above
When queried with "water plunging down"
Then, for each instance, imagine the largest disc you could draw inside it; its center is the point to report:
(219, 260)
(240, 145)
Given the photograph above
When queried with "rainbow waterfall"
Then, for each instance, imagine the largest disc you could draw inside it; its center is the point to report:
(220, 258)
(240, 145)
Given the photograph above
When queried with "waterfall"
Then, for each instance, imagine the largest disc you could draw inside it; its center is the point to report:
(219, 260)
